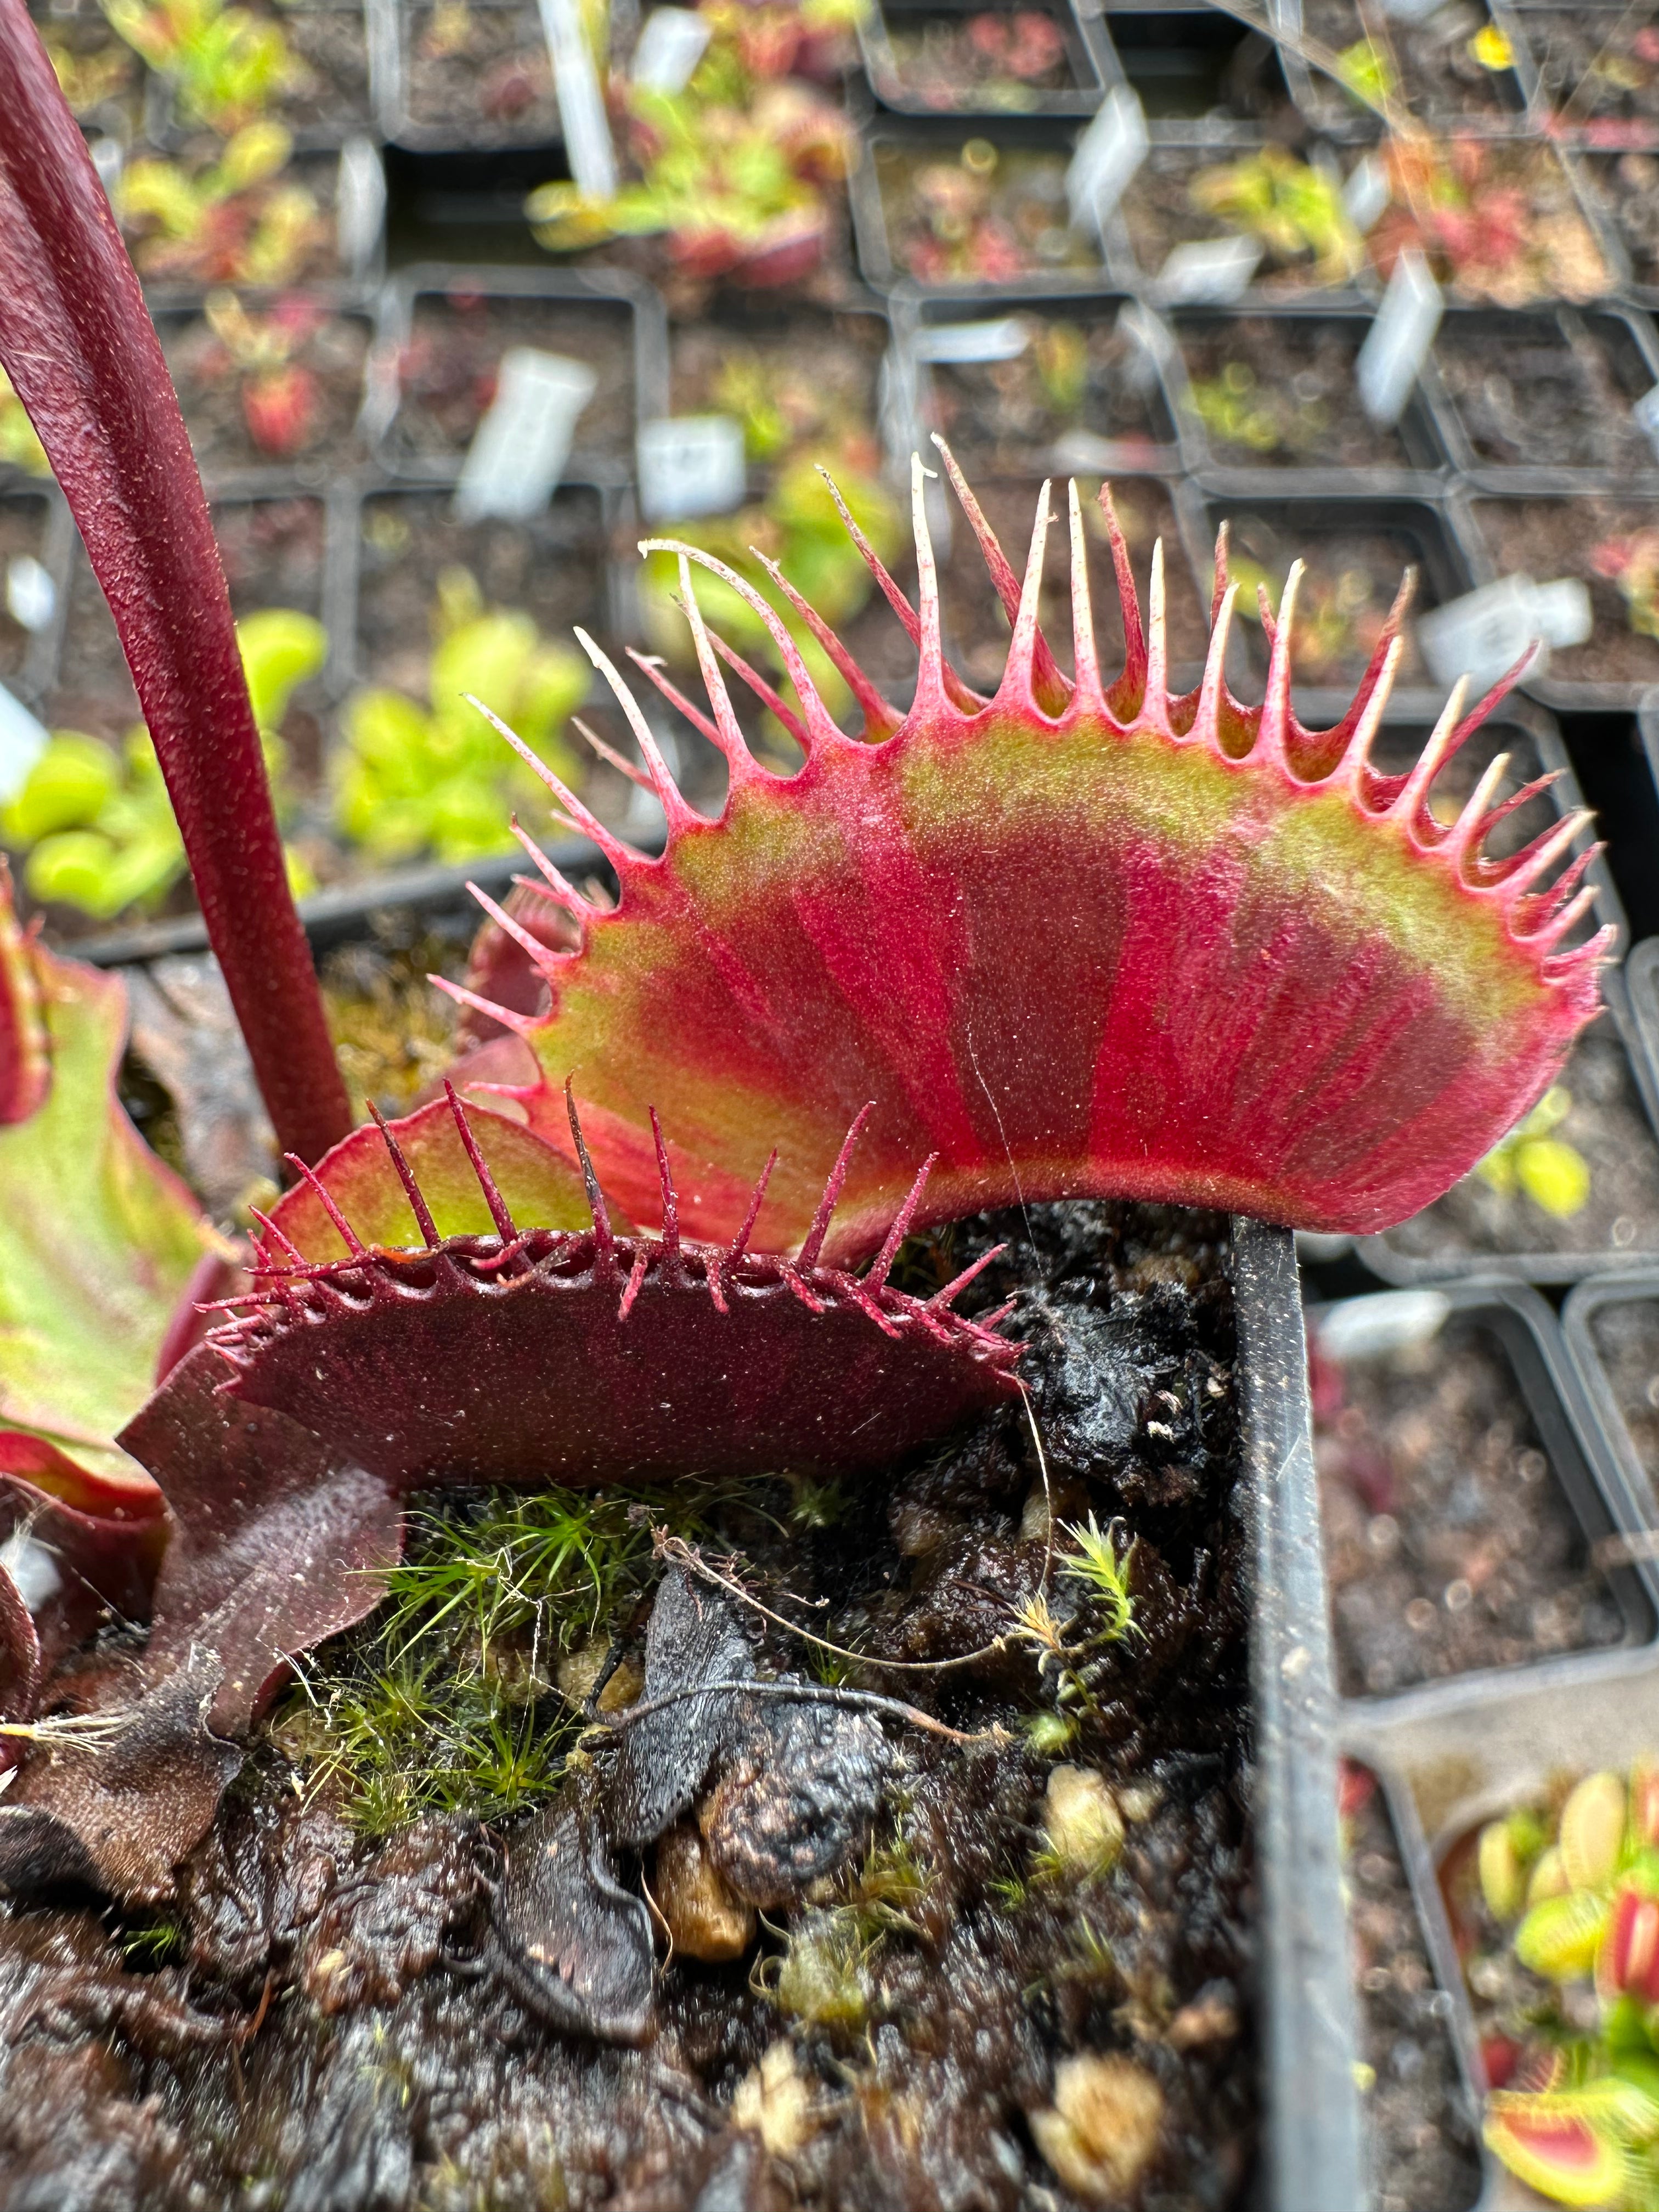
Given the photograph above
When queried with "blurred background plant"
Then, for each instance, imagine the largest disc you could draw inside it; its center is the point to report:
(96, 824)
(435, 778)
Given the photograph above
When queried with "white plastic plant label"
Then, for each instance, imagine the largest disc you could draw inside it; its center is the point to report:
(1397, 344)
(1563, 611)
(1646, 413)
(31, 595)
(961, 343)
(1366, 193)
(1388, 1321)
(1108, 154)
(22, 741)
(519, 450)
(359, 204)
(691, 464)
(581, 104)
(1484, 633)
(1208, 271)
(673, 43)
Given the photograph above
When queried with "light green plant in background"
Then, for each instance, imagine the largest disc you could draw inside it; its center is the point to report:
(96, 823)
(216, 222)
(436, 777)
(1295, 210)
(1535, 1163)
(227, 63)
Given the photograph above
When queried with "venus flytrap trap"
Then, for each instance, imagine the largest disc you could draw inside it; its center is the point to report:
(1572, 2054)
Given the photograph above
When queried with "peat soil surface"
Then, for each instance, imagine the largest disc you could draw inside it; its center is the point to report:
(341, 2014)
(1449, 1543)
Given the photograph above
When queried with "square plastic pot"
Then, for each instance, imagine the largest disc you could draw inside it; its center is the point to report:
(1091, 63)
(1270, 527)
(340, 349)
(1608, 356)
(514, 32)
(608, 318)
(1560, 533)
(1608, 1512)
(1330, 109)
(1123, 422)
(1409, 459)
(351, 30)
(882, 185)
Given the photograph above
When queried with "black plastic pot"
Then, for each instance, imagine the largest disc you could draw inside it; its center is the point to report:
(1262, 514)
(1419, 464)
(1575, 681)
(929, 331)
(1174, 158)
(1092, 63)
(1329, 108)
(1080, 265)
(316, 471)
(1586, 1324)
(1621, 198)
(1604, 1506)
(550, 300)
(350, 273)
(1615, 356)
(1452, 1753)
(456, 133)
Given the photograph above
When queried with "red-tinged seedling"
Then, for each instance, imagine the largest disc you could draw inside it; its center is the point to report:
(1627, 1964)
(1072, 940)
(1553, 2144)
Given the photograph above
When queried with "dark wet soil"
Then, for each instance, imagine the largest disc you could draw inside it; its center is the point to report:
(1439, 75)
(1420, 2134)
(213, 390)
(478, 75)
(328, 2017)
(447, 371)
(1352, 579)
(1626, 1337)
(23, 521)
(977, 631)
(1546, 391)
(1606, 1125)
(1078, 383)
(1598, 538)
(1279, 392)
(554, 570)
(989, 216)
(1449, 1543)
